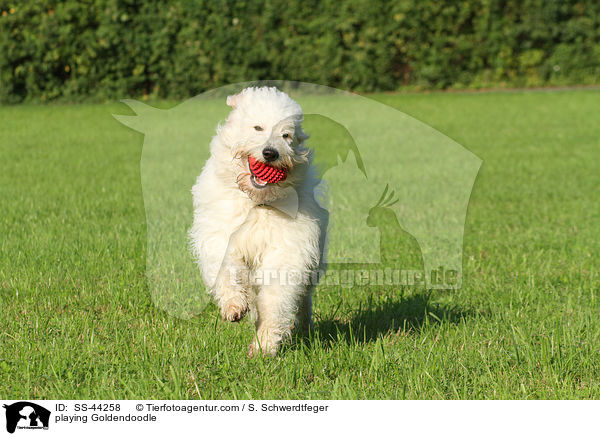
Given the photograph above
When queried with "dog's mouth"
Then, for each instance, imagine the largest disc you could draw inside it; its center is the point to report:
(262, 175)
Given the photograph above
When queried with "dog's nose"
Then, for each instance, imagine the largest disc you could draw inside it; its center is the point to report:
(270, 154)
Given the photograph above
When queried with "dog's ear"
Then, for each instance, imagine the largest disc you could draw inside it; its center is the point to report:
(233, 100)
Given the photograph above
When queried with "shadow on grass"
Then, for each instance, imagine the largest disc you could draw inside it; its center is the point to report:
(405, 316)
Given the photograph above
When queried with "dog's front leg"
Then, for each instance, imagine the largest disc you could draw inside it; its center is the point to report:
(277, 304)
(230, 286)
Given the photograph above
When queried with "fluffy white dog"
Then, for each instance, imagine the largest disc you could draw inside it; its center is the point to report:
(257, 227)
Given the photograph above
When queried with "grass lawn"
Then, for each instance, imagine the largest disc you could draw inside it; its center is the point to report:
(77, 320)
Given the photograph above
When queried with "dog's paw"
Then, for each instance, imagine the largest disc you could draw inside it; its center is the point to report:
(234, 309)
(267, 347)
(255, 350)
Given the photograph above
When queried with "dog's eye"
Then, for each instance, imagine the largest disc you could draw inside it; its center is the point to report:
(286, 135)
(258, 128)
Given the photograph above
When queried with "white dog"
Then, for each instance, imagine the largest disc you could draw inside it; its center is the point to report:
(257, 227)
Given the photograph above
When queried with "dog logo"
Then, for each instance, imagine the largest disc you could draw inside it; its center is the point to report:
(26, 415)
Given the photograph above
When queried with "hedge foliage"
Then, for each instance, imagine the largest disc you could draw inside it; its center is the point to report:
(109, 49)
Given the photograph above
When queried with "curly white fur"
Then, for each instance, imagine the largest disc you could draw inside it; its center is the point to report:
(255, 257)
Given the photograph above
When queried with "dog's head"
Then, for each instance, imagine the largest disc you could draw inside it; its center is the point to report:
(266, 142)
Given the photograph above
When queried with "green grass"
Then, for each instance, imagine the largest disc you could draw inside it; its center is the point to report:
(77, 320)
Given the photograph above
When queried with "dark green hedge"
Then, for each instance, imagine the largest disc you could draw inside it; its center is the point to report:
(109, 49)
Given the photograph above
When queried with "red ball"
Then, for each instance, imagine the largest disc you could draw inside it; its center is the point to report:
(265, 172)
